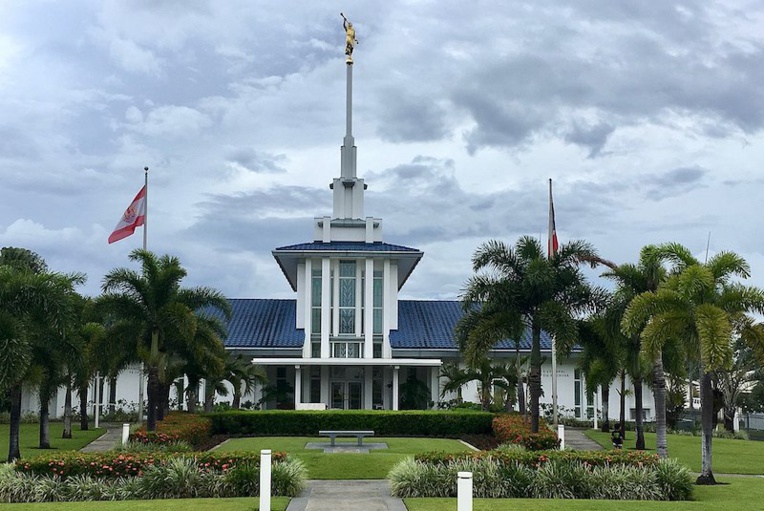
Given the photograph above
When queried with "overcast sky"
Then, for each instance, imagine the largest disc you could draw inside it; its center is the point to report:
(648, 116)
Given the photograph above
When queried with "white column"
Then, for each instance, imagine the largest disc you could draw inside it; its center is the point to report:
(387, 307)
(297, 385)
(395, 387)
(307, 308)
(336, 302)
(125, 433)
(368, 319)
(561, 435)
(326, 305)
(596, 405)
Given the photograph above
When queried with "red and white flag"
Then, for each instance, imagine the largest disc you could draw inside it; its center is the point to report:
(134, 216)
(552, 244)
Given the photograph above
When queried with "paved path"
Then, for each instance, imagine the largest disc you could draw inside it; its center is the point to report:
(107, 441)
(370, 495)
(577, 441)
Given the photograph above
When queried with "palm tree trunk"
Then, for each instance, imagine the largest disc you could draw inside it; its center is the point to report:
(152, 390)
(623, 405)
(534, 377)
(236, 397)
(520, 386)
(83, 395)
(192, 395)
(14, 396)
(605, 408)
(68, 411)
(209, 396)
(640, 427)
(44, 420)
(706, 419)
(659, 393)
(112, 394)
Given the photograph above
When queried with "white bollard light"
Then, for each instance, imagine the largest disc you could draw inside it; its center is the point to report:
(265, 480)
(561, 435)
(125, 433)
(464, 491)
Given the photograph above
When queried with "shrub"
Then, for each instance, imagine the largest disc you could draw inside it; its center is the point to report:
(110, 465)
(559, 478)
(512, 428)
(536, 458)
(179, 477)
(195, 430)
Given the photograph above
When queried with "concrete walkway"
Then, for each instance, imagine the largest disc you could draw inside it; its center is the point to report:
(370, 495)
(575, 440)
(107, 441)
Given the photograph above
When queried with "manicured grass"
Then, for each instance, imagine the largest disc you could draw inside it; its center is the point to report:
(740, 493)
(29, 439)
(374, 465)
(729, 456)
(241, 504)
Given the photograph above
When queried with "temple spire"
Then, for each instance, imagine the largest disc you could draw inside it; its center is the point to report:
(348, 188)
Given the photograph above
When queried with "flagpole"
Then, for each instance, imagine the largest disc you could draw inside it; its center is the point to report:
(550, 249)
(145, 226)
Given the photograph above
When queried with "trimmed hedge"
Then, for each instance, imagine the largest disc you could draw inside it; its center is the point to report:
(450, 424)
(535, 459)
(114, 464)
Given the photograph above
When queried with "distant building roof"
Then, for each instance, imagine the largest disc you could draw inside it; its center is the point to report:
(348, 246)
(429, 324)
(422, 324)
(263, 323)
(290, 256)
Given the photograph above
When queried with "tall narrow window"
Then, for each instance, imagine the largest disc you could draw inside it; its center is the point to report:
(315, 303)
(577, 392)
(378, 300)
(347, 297)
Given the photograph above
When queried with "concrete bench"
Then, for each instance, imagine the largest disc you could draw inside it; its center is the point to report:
(334, 434)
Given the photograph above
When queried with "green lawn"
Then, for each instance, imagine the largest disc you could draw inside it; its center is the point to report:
(241, 504)
(29, 439)
(729, 456)
(740, 493)
(374, 465)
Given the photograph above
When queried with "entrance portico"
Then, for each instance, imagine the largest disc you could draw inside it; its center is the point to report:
(349, 384)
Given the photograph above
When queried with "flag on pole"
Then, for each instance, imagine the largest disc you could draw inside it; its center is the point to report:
(134, 216)
(552, 244)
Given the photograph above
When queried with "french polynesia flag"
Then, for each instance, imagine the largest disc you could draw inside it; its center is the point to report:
(134, 216)
(552, 244)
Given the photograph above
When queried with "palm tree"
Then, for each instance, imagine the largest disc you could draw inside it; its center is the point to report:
(243, 377)
(601, 361)
(526, 290)
(486, 374)
(165, 316)
(632, 280)
(700, 305)
(33, 302)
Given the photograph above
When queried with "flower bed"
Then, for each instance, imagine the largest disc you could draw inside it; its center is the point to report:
(114, 465)
(512, 428)
(193, 429)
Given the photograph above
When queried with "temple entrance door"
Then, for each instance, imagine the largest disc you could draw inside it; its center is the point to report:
(347, 395)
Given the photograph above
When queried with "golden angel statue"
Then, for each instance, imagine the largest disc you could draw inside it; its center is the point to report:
(350, 40)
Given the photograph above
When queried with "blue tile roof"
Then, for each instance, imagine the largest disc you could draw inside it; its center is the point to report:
(349, 246)
(429, 324)
(263, 323)
(422, 324)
